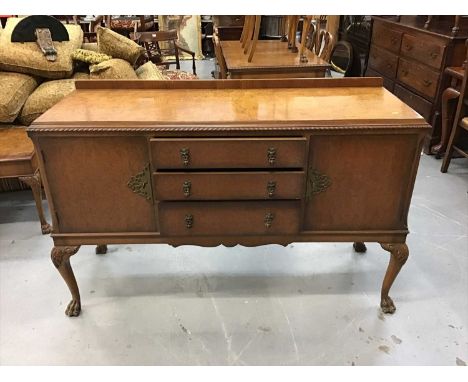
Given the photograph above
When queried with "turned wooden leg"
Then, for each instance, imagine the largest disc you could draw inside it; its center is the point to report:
(359, 247)
(61, 259)
(34, 181)
(101, 249)
(398, 256)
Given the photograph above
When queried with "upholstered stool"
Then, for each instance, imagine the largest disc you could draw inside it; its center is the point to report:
(18, 160)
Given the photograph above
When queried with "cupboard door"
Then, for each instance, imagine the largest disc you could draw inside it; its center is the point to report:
(360, 182)
(88, 180)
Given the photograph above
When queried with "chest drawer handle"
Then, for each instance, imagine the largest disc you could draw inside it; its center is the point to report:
(185, 156)
(271, 187)
(269, 219)
(408, 46)
(393, 40)
(271, 155)
(186, 187)
(404, 72)
(434, 55)
(427, 83)
(188, 221)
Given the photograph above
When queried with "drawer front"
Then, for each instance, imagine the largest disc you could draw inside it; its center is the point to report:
(386, 38)
(228, 153)
(228, 185)
(418, 103)
(383, 61)
(419, 77)
(229, 218)
(387, 83)
(427, 52)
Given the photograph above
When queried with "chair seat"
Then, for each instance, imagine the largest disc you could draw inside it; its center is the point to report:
(15, 144)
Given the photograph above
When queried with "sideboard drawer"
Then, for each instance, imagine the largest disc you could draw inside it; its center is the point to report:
(418, 103)
(427, 52)
(229, 218)
(419, 77)
(386, 38)
(383, 61)
(228, 153)
(228, 185)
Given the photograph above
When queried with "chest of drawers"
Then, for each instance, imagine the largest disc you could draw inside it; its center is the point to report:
(412, 59)
(229, 162)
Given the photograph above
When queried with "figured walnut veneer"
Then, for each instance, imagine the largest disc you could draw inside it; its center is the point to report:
(247, 162)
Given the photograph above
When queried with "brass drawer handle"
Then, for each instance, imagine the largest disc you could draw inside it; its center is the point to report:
(427, 83)
(393, 40)
(408, 47)
(404, 72)
(186, 188)
(271, 155)
(434, 55)
(269, 219)
(271, 188)
(185, 156)
(188, 221)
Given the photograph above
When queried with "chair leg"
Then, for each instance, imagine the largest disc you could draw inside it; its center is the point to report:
(247, 29)
(449, 150)
(250, 32)
(448, 95)
(255, 37)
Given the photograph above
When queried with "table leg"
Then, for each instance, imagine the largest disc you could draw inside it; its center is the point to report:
(101, 249)
(359, 247)
(60, 256)
(34, 181)
(398, 256)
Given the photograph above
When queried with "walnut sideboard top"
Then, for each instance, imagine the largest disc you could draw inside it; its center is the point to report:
(229, 162)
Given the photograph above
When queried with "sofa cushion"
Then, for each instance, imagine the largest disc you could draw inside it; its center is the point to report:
(43, 98)
(89, 56)
(28, 58)
(15, 90)
(112, 69)
(118, 46)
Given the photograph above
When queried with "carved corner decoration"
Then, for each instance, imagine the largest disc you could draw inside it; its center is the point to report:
(141, 183)
(316, 183)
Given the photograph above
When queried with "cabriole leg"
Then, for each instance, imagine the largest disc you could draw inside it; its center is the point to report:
(61, 259)
(398, 256)
(34, 181)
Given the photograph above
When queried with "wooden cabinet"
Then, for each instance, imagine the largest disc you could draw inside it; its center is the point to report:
(229, 162)
(412, 60)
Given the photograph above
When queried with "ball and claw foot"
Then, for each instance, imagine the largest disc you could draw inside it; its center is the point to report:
(101, 249)
(46, 228)
(387, 305)
(359, 247)
(73, 308)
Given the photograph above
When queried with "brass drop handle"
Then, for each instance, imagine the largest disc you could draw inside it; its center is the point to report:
(427, 83)
(271, 155)
(186, 188)
(434, 55)
(271, 187)
(408, 47)
(188, 221)
(269, 219)
(404, 72)
(185, 156)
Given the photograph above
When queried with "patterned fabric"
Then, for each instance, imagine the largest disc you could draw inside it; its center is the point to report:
(178, 75)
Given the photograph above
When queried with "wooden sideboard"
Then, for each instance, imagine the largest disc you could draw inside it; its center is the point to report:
(412, 59)
(248, 162)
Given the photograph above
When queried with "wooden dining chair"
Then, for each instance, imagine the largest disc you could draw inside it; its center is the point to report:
(324, 44)
(460, 122)
(222, 73)
(163, 56)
